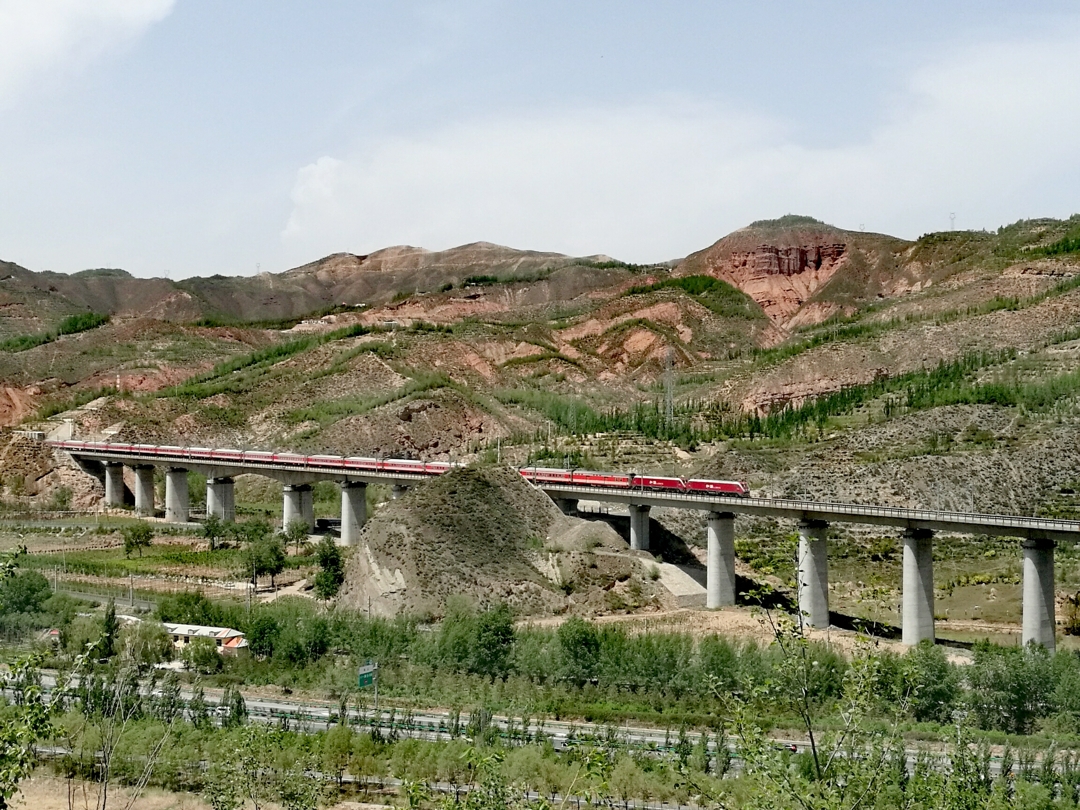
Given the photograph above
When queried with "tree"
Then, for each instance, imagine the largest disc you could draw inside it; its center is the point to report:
(493, 643)
(336, 751)
(453, 645)
(170, 703)
(251, 531)
(331, 569)
(252, 764)
(21, 727)
(627, 781)
(296, 789)
(235, 709)
(137, 536)
(145, 644)
(189, 607)
(265, 556)
(579, 650)
(113, 706)
(262, 635)
(213, 530)
(110, 630)
(934, 683)
(1010, 687)
(316, 637)
(25, 592)
(296, 533)
(202, 656)
(198, 711)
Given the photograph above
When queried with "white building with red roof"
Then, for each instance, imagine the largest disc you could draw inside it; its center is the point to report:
(229, 641)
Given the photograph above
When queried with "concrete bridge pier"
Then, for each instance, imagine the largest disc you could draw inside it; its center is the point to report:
(177, 503)
(568, 506)
(307, 507)
(220, 498)
(1039, 620)
(296, 505)
(720, 571)
(917, 612)
(353, 510)
(813, 572)
(639, 526)
(144, 489)
(114, 483)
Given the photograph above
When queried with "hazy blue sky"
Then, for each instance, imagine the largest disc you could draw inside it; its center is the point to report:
(184, 138)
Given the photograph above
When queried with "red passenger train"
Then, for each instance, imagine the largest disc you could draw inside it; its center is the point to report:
(207, 455)
(536, 475)
(633, 481)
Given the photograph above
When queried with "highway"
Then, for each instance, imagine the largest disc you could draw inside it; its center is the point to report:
(437, 725)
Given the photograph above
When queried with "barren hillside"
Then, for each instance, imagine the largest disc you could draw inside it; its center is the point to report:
(802, 357)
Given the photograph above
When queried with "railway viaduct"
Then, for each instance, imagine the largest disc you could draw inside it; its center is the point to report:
(1038, 536)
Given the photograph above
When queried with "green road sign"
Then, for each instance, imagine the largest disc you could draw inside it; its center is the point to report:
(368, 674)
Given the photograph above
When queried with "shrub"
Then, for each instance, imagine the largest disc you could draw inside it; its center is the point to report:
(202, 656)
(331, 569)
(25, 592)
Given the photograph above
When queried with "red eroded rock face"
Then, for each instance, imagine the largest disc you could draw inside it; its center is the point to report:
(781, 279)
(782, 266)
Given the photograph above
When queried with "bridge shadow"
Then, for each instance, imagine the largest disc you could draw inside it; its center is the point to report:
(670, 548)
(663, 545)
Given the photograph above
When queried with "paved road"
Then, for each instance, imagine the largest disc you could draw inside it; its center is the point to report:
(434, 725)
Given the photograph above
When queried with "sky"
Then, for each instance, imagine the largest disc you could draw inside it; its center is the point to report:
(175, 138)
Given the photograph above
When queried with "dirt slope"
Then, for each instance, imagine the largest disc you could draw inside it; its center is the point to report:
(466, 533)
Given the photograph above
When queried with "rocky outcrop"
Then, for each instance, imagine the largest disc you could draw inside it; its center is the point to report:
(783, 264)
(781, 279)
(17, 403)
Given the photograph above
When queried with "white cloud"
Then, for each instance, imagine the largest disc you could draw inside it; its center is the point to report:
(39, 38)
(988, 131)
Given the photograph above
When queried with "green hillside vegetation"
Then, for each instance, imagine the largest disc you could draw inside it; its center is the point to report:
(224, 378)
(1070, 243)
(787, 221)
(841, 329)
(217, 320)
(718, 296)
(71, 325)
(330, 411)
(948, 383)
